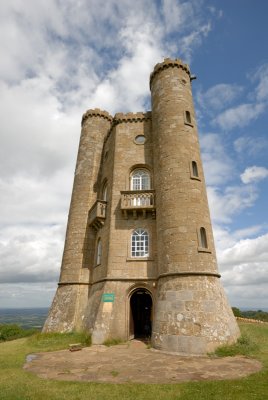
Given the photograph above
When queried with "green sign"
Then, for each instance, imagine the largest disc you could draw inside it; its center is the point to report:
(108, 297)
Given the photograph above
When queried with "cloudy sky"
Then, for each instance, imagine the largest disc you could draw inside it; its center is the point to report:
(62, 57)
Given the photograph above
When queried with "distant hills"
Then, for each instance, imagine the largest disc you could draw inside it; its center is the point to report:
(26, 318)
(252, 314)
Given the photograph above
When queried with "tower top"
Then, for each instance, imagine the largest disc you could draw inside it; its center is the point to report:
(131, 117)
(167, 63)
(96, 112)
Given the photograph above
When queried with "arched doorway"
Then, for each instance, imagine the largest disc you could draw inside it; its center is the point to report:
(140, 314)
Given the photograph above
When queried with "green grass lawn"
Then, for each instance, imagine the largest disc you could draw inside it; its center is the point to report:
(17, 384)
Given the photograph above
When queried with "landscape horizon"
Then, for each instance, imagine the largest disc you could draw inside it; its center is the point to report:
(34, 317)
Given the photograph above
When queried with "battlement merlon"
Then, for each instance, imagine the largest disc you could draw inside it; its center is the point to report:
(96, 112)
(167, 63)
(131, 117)
(118, 118)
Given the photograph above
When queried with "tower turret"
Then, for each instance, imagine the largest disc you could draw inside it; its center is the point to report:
(191, 315)
(71, 297)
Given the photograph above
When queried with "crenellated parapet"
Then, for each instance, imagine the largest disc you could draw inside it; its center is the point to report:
(169, 63)
(120, 118)
(131, 117)
(96, 112)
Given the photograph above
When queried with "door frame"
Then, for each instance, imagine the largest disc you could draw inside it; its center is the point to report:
(129, 319)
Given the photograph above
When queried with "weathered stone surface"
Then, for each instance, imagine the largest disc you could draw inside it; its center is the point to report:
(133, 362)
(189, 311)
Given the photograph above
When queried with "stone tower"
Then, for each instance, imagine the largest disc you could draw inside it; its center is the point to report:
(139, 257)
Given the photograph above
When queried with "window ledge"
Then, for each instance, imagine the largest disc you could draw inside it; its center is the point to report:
(96, 265)
(203, 250)
(189, 124)
(195, 178)
(140, 259)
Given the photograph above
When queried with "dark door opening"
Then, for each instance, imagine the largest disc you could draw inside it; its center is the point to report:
(141, 314)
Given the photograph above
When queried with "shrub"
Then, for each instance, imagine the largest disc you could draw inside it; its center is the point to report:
(244, 346)
(13, 331)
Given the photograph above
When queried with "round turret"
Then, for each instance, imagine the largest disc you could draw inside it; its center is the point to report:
(79, 242)
(182, 207)
(190, 297)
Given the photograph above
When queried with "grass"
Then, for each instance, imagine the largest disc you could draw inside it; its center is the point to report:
(57, 341)
(17, 384)
(245, 346)
(113, 342)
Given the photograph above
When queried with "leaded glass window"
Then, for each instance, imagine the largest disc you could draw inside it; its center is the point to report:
(140, 180)
(140, 243)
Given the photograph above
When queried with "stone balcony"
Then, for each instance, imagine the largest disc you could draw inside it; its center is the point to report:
(97, 214)
(134, 202)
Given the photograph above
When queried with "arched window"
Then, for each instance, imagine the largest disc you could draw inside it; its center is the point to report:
(104, 191)
(99, 251)
(203, 238)
(194, 169)
(140, 180)
(140, 243)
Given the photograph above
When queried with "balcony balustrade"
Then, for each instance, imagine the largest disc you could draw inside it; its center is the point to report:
(97, 214)
(138, 201)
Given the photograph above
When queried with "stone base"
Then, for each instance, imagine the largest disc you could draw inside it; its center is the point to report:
(192, 316)
(69, 301)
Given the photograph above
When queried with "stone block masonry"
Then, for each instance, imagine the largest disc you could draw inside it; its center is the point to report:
(139, 257)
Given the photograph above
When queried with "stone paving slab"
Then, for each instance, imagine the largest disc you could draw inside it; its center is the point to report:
(134, 362)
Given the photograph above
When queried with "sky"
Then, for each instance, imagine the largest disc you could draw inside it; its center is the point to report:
(62, 57)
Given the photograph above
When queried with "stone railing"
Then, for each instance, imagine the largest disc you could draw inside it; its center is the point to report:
(138, 201)
(97, 214)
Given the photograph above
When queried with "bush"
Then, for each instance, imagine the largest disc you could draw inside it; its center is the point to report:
(13, 331)
(243, 346)
(237, 312)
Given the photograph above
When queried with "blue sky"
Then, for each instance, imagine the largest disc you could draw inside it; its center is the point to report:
(60, 58)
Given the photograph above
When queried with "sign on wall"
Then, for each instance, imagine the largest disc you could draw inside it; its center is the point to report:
(108, 297)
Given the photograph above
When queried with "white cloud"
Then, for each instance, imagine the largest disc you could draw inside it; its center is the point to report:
(261, 75)
(218, 166)
(247, 296)
(218, 97)
(194, 39)
(247, 232)
(251, 145)
(60, 58)
(25, 295)
(243, 263)
(239, 116)
(232, 200)
(30, 253)
(37, 137)
(244, 269)
(254, 174)
(247, 252)
(175, 14)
